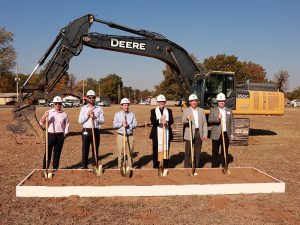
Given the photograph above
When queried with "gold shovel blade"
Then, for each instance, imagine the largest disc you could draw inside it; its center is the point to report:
(160, 171)
(226, 171)
(48, 175)
(98, 170)
(193, 172)
(125, 171)
(165, 173)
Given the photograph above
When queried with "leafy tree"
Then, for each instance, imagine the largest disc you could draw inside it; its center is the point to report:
(281, 79)
(7, 82)
(89, 84)
(243, 70)
(222, 63)
(110, 86)
(7, 52)
(295, 94)
(168, 86)
(144, 94)
(127, 92)
(7, 61)
(251, 71)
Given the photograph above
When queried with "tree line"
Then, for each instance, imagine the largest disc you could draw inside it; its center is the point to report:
(112, 85)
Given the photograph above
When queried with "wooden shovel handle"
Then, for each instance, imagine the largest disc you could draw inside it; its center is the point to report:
(223, 143)
(46, 142)
(124, 140)
(94, 142)
(191, 142)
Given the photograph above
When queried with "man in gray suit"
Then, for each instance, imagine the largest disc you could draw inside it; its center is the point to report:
(218, 114)
(199, 130)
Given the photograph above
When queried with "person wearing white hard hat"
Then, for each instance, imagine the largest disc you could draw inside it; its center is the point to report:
(159, 117)
(125, 121)
(91, 117)
(196, 116)
(216, 115)
(58, 128)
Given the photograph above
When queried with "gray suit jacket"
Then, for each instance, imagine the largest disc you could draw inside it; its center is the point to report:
(215, 123)
(201, 121)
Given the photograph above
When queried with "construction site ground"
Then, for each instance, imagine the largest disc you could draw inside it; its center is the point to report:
(273, 148)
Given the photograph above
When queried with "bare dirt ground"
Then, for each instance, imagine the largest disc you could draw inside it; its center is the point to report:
(142, 177)
(273, 148)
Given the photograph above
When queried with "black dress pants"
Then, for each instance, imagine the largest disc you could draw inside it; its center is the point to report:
(87, 140)
(55, 142)
(197, 142)
(216, 144)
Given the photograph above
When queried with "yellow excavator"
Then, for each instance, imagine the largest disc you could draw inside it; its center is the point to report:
(72, 38)
(245, 99)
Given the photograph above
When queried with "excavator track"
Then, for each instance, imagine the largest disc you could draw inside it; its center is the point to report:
(241, 131)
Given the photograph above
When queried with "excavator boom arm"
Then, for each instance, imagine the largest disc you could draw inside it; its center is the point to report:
(70, 41)
(161, 49)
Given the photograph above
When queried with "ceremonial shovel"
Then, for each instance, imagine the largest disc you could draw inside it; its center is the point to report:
(98, 169)
(162, 171)
(192, 150)
(225, 169)
(125, 169)
(47, 175)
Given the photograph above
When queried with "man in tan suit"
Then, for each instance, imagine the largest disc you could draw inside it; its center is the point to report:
(218, 114)
(199, 130)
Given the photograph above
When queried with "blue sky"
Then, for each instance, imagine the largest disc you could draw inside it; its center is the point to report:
(266, 32)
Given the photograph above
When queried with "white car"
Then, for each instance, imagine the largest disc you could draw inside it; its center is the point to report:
(295, 103)
(143, 103)
(76, 104)
(67, 104)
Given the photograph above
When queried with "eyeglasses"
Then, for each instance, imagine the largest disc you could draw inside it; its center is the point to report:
(57, 103)
(91, 97)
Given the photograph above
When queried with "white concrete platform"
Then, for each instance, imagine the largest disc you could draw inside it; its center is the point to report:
(272, 186)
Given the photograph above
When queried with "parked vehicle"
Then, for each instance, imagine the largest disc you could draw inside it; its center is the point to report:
(143, 103)
(295, 103)
(104, 104)
(67, 104)
(76, 104)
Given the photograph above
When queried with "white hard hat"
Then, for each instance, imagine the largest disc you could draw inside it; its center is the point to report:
(221, 97)
(161, 98)
(57, 99)
(125, 101)
(90, 93)
(193, 97)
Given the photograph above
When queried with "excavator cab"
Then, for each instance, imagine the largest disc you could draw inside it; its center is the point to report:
(208, 86)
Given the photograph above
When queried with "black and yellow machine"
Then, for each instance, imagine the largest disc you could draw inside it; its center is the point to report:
(72, 38)
(244, 99)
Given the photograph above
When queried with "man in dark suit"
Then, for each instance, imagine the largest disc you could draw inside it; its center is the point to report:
(161, 116)
(199, 131)
(218, 114)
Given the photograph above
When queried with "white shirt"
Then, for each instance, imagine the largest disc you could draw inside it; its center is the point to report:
(196, 119)
(58, 122)
(118, 122)
(85, 120)
(223, 113)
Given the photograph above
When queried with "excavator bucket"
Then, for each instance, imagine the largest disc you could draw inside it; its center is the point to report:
(24, 126)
